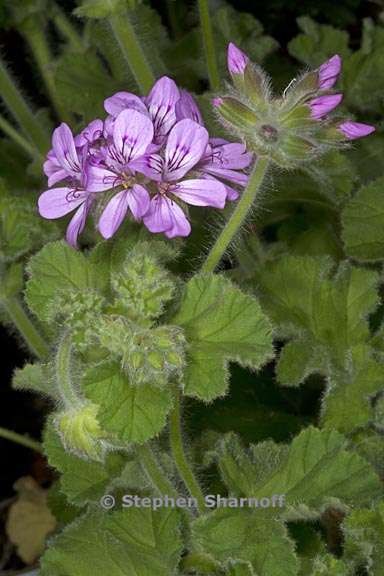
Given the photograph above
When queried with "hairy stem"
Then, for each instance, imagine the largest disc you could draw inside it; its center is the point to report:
(132, 51)
(21, 111)
(25, 326)
(63, 372)
(238, 216)
(10, 131)
(180, 457)
(34, 33)
(209, 44)
(66, 28)
(20, 439)
(154, 471)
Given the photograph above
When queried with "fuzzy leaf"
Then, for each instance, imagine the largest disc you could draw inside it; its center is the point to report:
(347, 404)
(252, 536)
(296, 362)
(313, 469)
(134, 413)
(98, 8)
(57, 267)
(363, 223)
(329, 312)
(82, 480)
(364, 539)
(328, 565)
(131, 542)
(221, 324)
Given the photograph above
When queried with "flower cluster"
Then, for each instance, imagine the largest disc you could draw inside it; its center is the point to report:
(290, 129)
(147, 159)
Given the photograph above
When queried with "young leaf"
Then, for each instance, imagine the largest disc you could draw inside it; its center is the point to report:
(347, 403)
(328, 565)
(313, 469)
(363, 223)
(134, 413)
(250, 536)
(82, 480)
(297, 361)
(221, 324)
(129, 542)
(35, 378)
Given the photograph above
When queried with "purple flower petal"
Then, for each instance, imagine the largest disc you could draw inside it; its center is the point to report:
(354, 130)
(58, 202)
(166, 216)
(114, 214)
(123, 100)
(53, 169)
(100, 178)
(92, 132)
(151, 165)
(329, 72)
(138, 201)
(65, 150)
(228, 155)
(230, 175)
(77, 223)
(180, 225)
(237, 60)
(161, 103)
(186, 107)
(132, 134)
(186, 144)
(323, 105)
(201, 192)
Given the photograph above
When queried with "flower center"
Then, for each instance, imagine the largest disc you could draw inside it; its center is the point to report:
(269, 133)
(164, 187)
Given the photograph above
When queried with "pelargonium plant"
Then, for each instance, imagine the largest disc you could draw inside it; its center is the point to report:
(222, 253)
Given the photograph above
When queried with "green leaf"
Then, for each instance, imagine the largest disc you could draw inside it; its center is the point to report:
(82, 480)
(134, 413)
(57, 267)
(98, 8)
(130, 542)
(251, 536)
(318, 42)
(363, 223)
(239, 568)
(364, 539)
(296, 362)
(34, 378)
(221, 324)
(313, 469)
(348, 402)
(328, 565)
(328, 311)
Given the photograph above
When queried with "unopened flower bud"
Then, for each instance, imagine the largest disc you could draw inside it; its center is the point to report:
(329, 72)
(81, 432)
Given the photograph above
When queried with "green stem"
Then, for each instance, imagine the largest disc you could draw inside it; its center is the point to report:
(10, 131)
(238, 216)
(25, 326)
(155, 472)
(209, 44)
(21, 111)
(63, 372)
(34, 33)
(132, 51)
(179, 455)
(19, 439)
(66, 29)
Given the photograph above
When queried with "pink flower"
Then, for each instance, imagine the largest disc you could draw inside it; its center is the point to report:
(329, 72)
(354, 130)
(322, 105)
(237, 60)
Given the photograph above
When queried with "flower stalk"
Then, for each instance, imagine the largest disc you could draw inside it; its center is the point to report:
(25, 326)
(20, 439)
(66, 29)
(21, 111)
(209, 44)
(132, 50)
(154, 471)
(238, 217)
(14, 135)
(179, 456)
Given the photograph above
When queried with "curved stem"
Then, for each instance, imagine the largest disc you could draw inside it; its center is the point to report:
(21, 111)
(10, 131)
(132, 50)
(63, 372)
(25, 326)
(209, 44)
(155, 472)
(238, 216)
(179, 455)
(20, 439)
